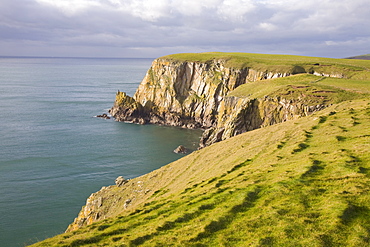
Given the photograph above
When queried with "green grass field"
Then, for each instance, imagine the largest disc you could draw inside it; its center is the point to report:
(304, 182)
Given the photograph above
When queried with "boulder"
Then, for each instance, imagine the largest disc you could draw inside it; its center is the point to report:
(127, 202)
(120, 181)
(181, 150)
(105, 116)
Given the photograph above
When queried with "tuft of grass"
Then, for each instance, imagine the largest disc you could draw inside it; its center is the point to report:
(340, 138)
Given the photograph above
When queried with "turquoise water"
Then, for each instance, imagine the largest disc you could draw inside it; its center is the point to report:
(54, 153)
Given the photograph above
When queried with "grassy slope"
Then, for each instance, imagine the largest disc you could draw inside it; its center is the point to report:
(300, 183)
(322, 90)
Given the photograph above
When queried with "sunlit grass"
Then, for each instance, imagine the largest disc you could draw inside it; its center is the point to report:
(306, 88)
(257, 189)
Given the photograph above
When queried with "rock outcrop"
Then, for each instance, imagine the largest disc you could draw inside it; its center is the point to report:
(111, 200)
(239, 115)
(120, 181)
(90, 212)
(181, 150)
(104, 115)
(193, 94)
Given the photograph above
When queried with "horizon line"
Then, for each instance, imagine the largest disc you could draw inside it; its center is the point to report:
(77, 57)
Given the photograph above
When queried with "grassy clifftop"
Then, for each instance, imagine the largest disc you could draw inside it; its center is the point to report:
(330, 90)
(283, 63)
(304, 182)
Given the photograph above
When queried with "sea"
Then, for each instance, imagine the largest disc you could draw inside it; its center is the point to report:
(55, 152)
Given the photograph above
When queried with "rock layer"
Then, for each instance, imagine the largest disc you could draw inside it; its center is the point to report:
(239, 115)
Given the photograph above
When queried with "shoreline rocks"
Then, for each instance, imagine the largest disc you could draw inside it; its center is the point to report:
(120, 181)
(181, 150)
(105, 116)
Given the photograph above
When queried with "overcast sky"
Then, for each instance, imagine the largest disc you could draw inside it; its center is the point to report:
(153, 28)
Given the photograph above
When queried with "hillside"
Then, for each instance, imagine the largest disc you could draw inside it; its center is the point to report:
(302, 182)
(363, 57)
(299, 183)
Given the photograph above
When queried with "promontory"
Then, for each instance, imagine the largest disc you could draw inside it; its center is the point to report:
(283, 161)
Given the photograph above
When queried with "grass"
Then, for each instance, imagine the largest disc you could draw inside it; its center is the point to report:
(280, 63)
(315, 194)
(305, 87)
(303, 182)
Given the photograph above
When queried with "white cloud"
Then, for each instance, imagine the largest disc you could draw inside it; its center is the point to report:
(267, 26)
(351, 42)
(149, 10)
(278, 26)
(235, 10)
(70, 7)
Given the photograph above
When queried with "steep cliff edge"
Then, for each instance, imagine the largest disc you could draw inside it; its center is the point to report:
(193, 93)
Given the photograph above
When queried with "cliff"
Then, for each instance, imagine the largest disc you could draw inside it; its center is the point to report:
(194, 94)
(183, 93)
(303, 182)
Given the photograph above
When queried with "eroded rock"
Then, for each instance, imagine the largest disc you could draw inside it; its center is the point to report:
(105, 116)
(120, 181)
(181, 150)
(194, 94)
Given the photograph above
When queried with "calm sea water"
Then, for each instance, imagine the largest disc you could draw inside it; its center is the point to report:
(54, 153)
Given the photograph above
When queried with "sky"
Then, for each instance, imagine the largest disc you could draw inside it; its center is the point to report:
(154, 28)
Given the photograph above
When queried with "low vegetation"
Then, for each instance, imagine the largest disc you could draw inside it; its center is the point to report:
(327, 89)
(304, 182)
(283, 63)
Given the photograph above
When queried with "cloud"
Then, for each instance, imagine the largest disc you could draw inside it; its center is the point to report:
(235, 10)
(71, 7)
(268, 26)
(162, 26)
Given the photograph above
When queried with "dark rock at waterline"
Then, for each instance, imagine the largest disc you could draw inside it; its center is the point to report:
(105, 116)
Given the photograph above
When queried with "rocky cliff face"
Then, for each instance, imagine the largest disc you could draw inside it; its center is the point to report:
(186, 94)
(239, 115)
(111, 200)
(193, 94)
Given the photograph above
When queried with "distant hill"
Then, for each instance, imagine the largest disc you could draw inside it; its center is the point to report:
(363, 57)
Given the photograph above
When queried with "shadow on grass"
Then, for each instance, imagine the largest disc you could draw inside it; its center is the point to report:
(301, 146)
(95, 239)
(353, 212)
(316, 167)
(224, 221)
